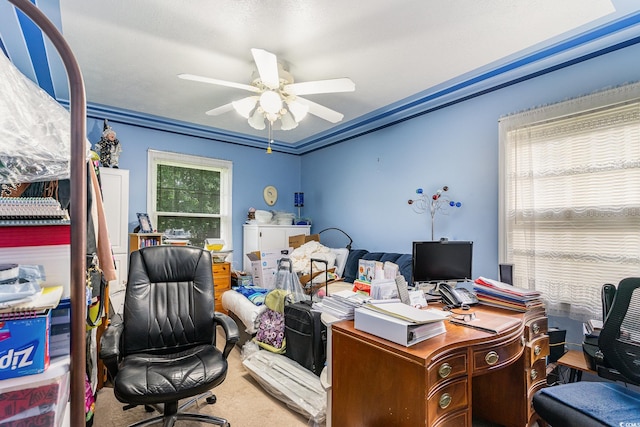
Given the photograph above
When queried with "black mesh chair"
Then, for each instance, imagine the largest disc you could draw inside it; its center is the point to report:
(164, 350)
(586, 404)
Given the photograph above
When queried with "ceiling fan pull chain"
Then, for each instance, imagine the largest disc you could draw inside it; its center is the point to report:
(270, 138)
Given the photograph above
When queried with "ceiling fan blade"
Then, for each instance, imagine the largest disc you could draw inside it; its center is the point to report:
(220, 110)
(321, 111)
(218, 82)
(321, 86)
(267, 64)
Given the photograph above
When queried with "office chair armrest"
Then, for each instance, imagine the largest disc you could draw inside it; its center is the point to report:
(231, 331)
(110, 347)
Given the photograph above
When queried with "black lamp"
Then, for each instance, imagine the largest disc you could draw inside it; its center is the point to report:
(348, 237)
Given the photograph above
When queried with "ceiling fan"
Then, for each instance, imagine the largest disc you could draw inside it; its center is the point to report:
(276, 96)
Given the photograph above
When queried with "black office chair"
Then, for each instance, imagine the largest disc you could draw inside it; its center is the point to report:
(587, 404)
(164, 350)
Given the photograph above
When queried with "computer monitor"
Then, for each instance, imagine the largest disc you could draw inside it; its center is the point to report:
(442, 261)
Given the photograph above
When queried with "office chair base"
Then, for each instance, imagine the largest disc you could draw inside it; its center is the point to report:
(170, 420)
(210, 398)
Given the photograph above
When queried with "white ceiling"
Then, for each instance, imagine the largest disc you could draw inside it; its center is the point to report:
(130, 52)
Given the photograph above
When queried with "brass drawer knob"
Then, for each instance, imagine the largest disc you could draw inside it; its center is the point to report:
(445, 400)
(536, 350)
(536, 328)
(534, 374)
(492, 358)
(445, 370)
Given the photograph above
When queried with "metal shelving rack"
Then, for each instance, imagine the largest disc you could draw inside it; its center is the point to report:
(78, 208)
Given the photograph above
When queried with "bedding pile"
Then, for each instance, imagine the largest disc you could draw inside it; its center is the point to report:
(302, 255)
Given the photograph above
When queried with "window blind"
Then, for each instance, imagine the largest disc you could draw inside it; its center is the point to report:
(570, 198)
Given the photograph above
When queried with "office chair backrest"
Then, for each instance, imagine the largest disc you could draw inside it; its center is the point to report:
(169, 300)
(608, 292)
(619, 339)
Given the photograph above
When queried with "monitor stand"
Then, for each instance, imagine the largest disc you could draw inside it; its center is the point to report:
(431, 290)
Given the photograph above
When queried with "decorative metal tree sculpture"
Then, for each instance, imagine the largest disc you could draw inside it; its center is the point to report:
(433, 204)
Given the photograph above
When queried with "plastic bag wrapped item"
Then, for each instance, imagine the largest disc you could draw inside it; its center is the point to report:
(289, 382)
(35, 135)
(288, 280)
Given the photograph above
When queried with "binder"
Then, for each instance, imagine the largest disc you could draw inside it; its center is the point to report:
(394, 329)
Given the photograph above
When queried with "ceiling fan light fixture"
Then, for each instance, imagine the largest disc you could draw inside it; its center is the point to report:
(298, 110)
(271, 102)
(245, 106)
(275, 99)
(256, 120)
(287, 121)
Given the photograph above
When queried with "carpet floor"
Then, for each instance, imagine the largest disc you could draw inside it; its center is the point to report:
(240, 399)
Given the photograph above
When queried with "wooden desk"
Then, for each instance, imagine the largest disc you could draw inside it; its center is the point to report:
(443, 381)
(574, 360)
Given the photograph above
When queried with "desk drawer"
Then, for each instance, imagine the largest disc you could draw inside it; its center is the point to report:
(536, 373)
(460, 419)
(447, 399)
(538, 349)
(450, 367)
(495, 357)
(533, 391)
(535, 328)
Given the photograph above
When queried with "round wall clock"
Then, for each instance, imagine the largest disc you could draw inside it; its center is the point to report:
(270, 195)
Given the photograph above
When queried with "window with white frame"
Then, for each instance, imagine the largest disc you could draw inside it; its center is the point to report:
(191, 193)
(570, 198)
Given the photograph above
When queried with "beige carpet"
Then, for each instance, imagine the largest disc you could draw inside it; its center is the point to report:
(241, 400)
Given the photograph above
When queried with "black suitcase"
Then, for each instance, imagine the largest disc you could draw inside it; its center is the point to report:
(306, 336)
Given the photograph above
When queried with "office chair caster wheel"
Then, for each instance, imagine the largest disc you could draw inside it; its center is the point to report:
(211, 399)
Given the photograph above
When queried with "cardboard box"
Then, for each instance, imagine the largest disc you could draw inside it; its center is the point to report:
(24, 344)
(240, 279)
(301, 239)
(264, 266)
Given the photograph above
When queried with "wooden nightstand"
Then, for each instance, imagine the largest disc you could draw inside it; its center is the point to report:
(221, 282)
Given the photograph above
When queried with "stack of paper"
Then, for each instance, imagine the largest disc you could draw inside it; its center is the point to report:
(488, 322)
(45, 299)
(341, 304)
(498, 294)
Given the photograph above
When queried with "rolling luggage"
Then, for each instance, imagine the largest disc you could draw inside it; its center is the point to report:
(306, 336)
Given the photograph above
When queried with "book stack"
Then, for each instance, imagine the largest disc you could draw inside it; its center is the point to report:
(36, 231)
(498, 294)
(341, 304)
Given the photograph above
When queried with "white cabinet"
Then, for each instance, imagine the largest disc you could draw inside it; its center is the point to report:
(115, 197)
(258, 237)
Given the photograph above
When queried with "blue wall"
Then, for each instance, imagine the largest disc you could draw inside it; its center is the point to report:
(253, 169)
(362, 186)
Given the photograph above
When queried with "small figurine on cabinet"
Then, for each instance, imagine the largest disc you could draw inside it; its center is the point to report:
(108, 147)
